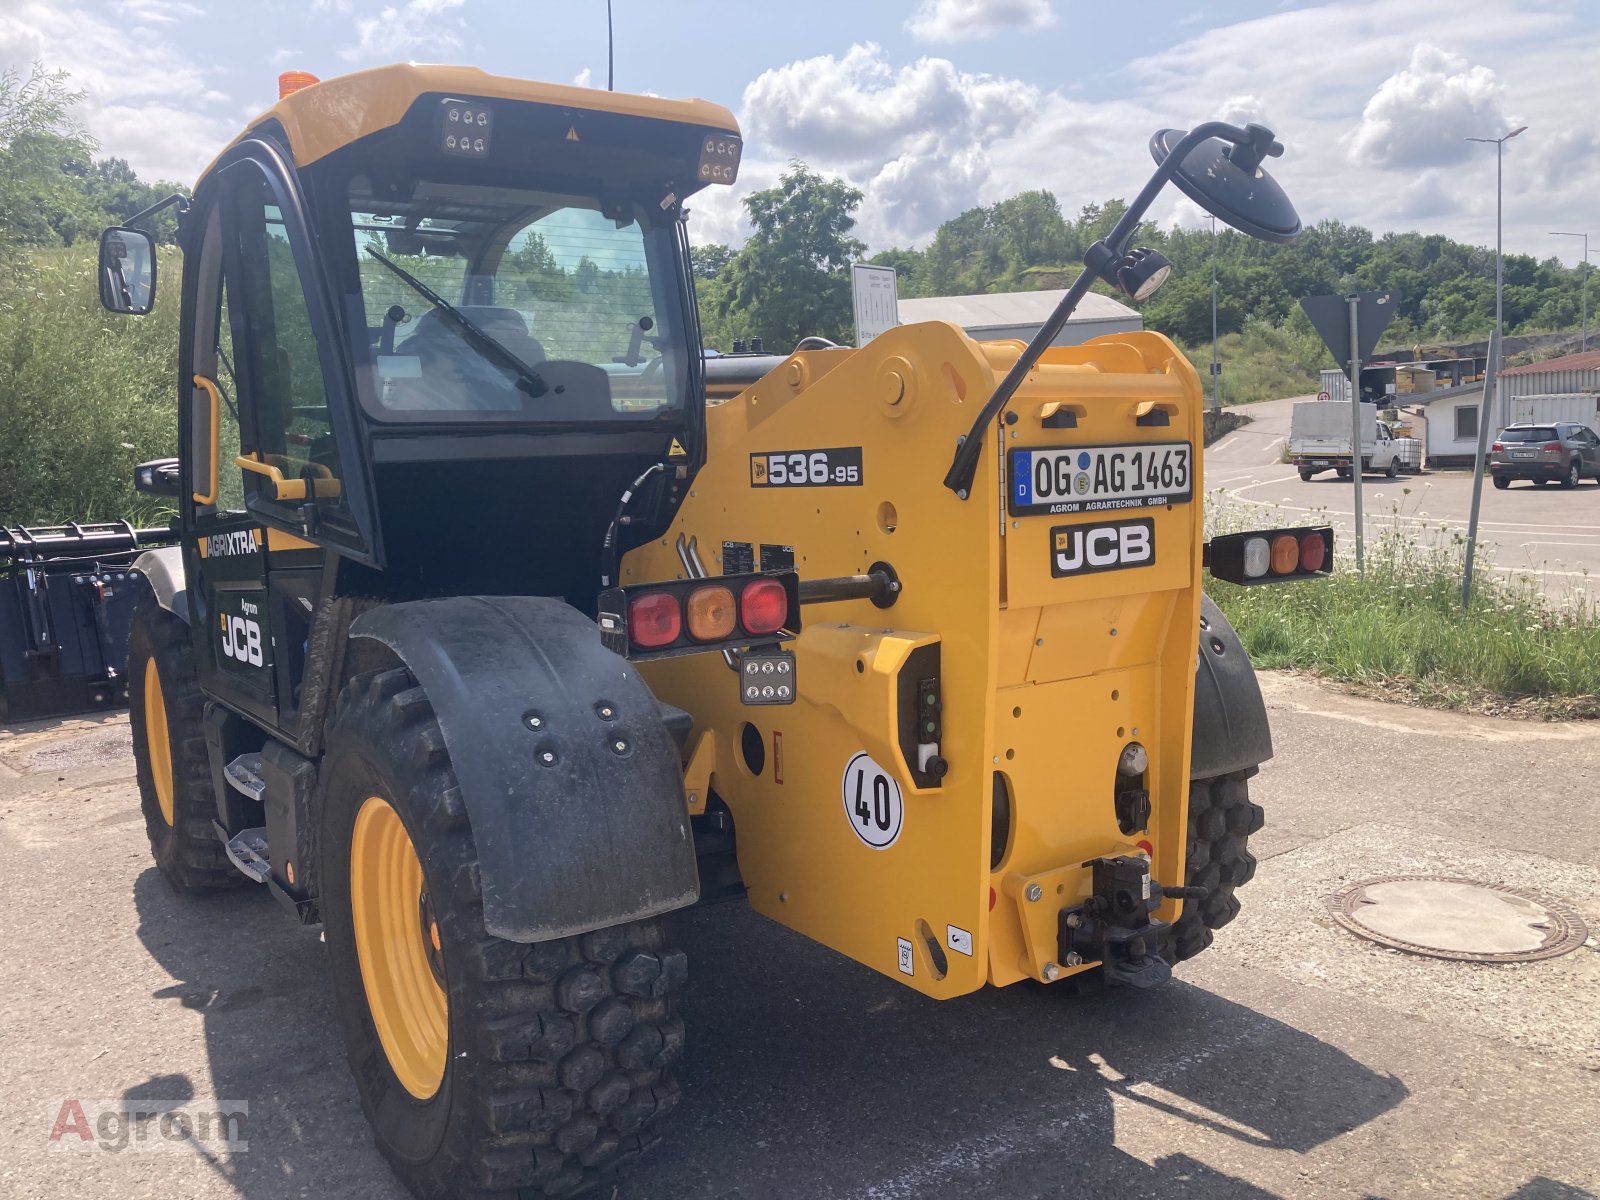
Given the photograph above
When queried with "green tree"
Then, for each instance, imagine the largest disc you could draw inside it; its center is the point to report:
(44, 157)
(791, 279)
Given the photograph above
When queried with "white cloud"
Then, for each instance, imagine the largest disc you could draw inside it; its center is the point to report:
(397, 31)
(1422, 115)
(279, 57)
(159, 110)
(915, 139)
(965, 20)
(159, 12)
(583, 78)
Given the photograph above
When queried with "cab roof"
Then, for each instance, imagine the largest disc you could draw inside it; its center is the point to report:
(326, 116)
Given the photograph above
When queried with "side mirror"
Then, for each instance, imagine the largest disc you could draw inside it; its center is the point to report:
(158, 477)
(1226, 179)
(127, 271)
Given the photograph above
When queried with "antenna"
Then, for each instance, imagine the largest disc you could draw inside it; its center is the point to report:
(611, 53)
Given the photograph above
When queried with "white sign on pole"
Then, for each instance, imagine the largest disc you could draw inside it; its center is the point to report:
(876, 299)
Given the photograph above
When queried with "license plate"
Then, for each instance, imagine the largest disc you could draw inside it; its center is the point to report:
(1070, 479)
(1523, 453)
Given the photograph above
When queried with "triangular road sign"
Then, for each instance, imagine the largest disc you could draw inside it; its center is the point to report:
(1330, 317)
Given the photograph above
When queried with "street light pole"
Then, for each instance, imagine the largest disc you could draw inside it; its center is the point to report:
(1585, 237)
(1491, 378)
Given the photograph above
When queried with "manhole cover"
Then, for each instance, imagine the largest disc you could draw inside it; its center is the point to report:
(1458, 919)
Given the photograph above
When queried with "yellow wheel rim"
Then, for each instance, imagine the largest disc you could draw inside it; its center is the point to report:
(397, 945)
(156, 739)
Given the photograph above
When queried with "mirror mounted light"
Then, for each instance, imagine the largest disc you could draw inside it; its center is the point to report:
(127, 271)
(1218, 166)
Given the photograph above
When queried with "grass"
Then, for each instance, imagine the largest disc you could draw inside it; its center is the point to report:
(1264, 362)
(1398, 629)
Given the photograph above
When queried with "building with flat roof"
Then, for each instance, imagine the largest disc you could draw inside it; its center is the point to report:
(999, 316)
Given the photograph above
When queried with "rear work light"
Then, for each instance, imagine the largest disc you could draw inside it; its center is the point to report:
(691, 616)
(1271, 555)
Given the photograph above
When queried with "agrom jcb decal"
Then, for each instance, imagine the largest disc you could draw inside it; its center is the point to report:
(241, 630)
(1083, 549)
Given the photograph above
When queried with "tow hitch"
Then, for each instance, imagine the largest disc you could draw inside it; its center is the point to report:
(1115, 926)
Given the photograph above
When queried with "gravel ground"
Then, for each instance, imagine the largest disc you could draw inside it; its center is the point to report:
(1291, 1060)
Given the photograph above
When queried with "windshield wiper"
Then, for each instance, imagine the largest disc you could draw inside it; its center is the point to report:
(528, 380)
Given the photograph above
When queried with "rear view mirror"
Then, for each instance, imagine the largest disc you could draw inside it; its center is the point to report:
(127, 271)
(157, 478)
(1225, 178)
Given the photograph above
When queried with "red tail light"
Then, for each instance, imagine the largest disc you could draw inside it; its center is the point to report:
(1497, 447)
(654, 620)
(1313, 551)
(763, 606)
(1552, 447)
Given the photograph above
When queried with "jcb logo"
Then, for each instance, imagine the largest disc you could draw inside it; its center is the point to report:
(241, 640)
(1081, 549)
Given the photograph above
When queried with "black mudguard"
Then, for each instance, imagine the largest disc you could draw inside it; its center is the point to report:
(572, 833)
(1230, 718)
(163, 571)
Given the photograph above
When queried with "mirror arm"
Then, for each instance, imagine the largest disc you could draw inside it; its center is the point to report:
(1098, 260)
(177, 198)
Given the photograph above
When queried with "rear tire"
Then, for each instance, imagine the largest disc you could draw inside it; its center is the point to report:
(1573, 475)
(534, 1070)
(1305, 474)
(166, 711)
(1221, 820)
(1344, 472)
(1502, 482)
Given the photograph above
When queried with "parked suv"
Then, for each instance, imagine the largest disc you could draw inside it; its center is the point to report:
(1559, 450)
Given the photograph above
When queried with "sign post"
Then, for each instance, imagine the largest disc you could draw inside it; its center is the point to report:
(877, 303)
(1491, 379)
(1350, 327)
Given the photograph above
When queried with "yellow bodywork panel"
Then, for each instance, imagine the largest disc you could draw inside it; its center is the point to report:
(329, 115)
(1043, 679)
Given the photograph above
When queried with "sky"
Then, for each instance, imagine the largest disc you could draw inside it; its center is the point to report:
(932, 107)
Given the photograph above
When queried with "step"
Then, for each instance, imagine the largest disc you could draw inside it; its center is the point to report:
(244, 775)
(248, 851)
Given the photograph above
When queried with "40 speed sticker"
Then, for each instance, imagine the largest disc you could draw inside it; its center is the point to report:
(872, 802)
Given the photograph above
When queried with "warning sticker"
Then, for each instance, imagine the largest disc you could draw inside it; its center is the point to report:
(908, 964)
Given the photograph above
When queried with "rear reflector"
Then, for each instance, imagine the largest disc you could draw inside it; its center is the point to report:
(1271, 555)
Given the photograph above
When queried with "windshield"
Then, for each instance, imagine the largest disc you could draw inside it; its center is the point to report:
(493, 303)
(1537, 433)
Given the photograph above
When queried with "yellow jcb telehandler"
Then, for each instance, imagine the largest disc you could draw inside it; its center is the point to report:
(482, 642)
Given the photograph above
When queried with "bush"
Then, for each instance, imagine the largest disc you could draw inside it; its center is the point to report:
(84, 394)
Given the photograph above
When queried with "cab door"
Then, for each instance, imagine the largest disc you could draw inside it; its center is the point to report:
(281, 516)
(223, 546)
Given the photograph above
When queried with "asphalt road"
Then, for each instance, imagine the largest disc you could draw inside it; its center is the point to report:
(1547, 534)
(1290, 1060)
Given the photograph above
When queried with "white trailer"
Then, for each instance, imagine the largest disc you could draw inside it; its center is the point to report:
(1580, 408)
(1319, 440)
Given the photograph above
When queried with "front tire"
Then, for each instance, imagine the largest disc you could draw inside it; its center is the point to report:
(166, 711)
(1221, 819)
(1392, 470)
(487, 1068)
